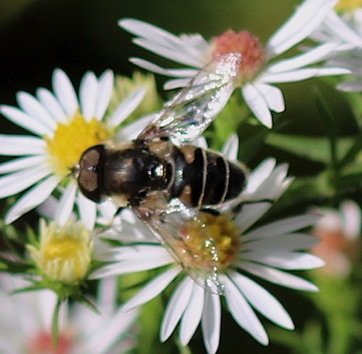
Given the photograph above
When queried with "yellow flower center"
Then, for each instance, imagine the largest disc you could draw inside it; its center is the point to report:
(65, 253)
(348, 5)
(213, 243)
(246, 44)
(66, 250)
(71, 139)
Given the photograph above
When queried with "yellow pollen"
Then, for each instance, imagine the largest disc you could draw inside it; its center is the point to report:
(348, 5)
(247, 45)
(213, 242)
(63, 250)
(71, 139)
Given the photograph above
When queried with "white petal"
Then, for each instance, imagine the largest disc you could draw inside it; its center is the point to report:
(351, 214)
(340, 29)
(302, 74)
(51, 104)
(277, 276)
(272, 186)
(231, 147)
(309, 57)
(192, 315)
(64, 91)
(177, 83)
(259, 174)
(350, 86)
(142, 260)
(284, 226)
(186, 73)
(284, 260)
(186, 49)
(175, 308)
(106, 336)
(88, 95)
(22, 163)
(66, 204)
(299, 26)
(17, 145)
(34, 109)
(152, 289)
(257, 104)
(24, 120)
(129, 267)
(211, 321)
(140, 28)
(127, 107)
(105, 87)
(19, 181)
(132, 130)
(31, 199)
(87, 211)
(272, 95)
(285, 242)
(136, 252)
(180, 53)
(243, 313)
(249, 214)
(262, 300)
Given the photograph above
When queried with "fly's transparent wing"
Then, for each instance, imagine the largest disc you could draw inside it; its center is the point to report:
(190, 112)
(188, 237)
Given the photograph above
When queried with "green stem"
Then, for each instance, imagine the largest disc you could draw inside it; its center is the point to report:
(55, 323)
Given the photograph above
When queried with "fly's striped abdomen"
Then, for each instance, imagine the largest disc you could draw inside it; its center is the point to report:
(203, 177)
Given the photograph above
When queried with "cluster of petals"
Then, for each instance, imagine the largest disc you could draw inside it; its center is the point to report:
(267, 252)
(33, 171)
(259, 93)
(81, 330)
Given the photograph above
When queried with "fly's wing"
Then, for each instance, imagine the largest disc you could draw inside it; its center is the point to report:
(183, 231)
(190, 112)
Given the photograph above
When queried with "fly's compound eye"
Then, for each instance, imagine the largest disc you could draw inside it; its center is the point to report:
(90, 173)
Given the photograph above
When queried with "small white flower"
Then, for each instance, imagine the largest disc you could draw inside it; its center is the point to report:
(345, 31)
(26, 318)
(259, 70)
(266, 251)
(339, 231)
(62, 127)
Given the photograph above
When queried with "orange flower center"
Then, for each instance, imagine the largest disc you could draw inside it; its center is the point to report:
(247, 45)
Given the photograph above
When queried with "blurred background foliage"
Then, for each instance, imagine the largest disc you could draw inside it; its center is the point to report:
(318, 135)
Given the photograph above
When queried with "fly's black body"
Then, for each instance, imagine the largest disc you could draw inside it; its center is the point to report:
(167, 180)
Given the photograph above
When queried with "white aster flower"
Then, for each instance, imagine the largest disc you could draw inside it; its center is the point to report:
(266, 251)
(339, 231)
(344, 30)
(26, 318)
(62, 126)
(260, 69)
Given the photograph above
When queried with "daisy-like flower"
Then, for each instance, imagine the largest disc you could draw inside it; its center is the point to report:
(259, 70)
(266, 251)
(344, 29)
(339, 231)
(26, 320)
(62, 126)
(64, 253)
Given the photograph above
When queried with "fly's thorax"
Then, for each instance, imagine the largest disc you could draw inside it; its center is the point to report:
(133, 172)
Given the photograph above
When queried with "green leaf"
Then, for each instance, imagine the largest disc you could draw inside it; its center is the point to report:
(252, 139)
(311, 148)
(351, 153)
